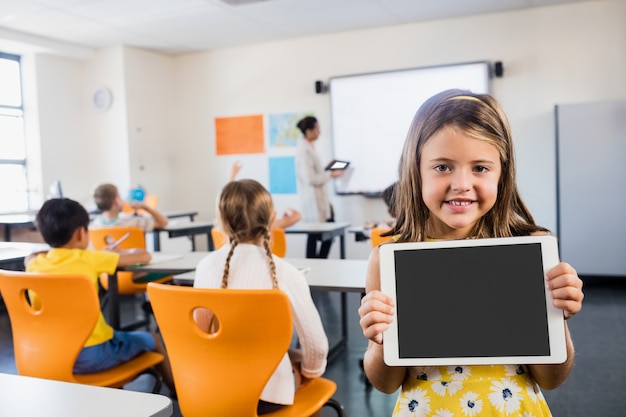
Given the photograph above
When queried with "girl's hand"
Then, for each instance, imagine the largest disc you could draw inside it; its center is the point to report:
(566, 289)
(376, 314)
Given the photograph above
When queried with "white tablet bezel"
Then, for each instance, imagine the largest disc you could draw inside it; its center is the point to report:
(555, 320)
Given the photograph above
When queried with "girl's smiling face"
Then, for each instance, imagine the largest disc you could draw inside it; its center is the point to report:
(460, 177)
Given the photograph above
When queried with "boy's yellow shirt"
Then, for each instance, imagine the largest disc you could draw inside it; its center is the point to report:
(81, 262)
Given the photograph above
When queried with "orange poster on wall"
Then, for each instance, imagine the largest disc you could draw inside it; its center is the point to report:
(236, 135)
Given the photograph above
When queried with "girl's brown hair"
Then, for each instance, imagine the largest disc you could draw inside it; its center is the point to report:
(481, 117)
(245, 211)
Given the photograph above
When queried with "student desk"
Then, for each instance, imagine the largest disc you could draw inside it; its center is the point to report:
(178, 214)
(12, 221)
(342, 275)
(12, 254)
(164, 263)
(323, 231)
(190, 229)
(27, 396)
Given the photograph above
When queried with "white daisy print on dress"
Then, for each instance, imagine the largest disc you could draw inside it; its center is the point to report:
(471, 405)
(442, 412)
(428, 373)
(444, 388)
(505, 395)
(414, 403)
(459, 373)
(533, 392)
(527, 414)
(513, 370)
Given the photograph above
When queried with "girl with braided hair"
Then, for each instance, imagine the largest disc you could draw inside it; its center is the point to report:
(245, 213)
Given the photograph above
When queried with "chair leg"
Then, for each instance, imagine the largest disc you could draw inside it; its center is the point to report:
(158, 379)
(337, 406)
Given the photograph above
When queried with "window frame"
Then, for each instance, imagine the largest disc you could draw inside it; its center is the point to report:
(16, 111)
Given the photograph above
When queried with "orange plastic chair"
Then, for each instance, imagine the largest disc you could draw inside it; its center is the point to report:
(224, 373)
(278, 242)
(375, 235)
(47, 340)
(219, 238)
(125, 280)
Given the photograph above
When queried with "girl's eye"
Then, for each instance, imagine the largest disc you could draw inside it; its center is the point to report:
(441, 168)
(481, 169)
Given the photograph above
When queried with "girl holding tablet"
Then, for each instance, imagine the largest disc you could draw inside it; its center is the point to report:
(457, 181)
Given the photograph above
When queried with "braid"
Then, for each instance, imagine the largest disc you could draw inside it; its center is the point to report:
(233, 244)
(266, 245)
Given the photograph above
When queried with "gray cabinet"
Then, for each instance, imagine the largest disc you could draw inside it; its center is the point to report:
(591, 187)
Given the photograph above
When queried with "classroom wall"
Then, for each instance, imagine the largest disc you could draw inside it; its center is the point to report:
(552, 55)
(152, 131)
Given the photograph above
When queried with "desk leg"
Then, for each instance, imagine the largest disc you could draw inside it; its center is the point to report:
(342, 246)
(156, 239)
(210, 244)
(343, 341)
(114, 299)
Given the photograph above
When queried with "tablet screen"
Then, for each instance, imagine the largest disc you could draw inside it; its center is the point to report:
(336, 164)
(471, 303)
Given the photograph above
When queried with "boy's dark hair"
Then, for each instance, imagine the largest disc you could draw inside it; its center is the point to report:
(58, 219)
(389, 199)
(307, 123)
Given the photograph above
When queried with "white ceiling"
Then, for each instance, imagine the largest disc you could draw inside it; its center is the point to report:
(179, 26)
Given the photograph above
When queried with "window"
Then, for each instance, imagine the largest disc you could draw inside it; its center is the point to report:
(13, 187)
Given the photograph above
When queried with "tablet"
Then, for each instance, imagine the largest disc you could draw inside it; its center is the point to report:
(472, 302)
(337, 164)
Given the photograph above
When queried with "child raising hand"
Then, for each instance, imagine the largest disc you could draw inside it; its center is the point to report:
(457, 181)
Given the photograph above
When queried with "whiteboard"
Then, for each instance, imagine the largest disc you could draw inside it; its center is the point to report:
(371, 114)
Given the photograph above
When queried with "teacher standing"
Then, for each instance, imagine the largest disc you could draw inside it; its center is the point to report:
(312, 180)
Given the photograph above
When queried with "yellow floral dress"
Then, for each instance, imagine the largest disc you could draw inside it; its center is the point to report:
(470, 391)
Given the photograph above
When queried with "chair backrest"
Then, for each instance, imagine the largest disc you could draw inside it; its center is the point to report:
(137, 239)
(223, 373)
(47, 341)
(375, 235)
(98, 237)
(278, 242)
(219, 238)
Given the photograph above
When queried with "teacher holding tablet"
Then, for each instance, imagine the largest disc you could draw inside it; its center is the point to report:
(312, 180)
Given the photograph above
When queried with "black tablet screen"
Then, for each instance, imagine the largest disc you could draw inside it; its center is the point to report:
(479, 301)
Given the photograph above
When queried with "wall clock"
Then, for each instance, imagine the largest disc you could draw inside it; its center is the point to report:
(102, 99)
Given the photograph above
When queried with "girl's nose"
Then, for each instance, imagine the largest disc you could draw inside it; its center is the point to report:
(461, 181)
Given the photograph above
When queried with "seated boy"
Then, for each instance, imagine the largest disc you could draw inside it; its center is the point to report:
(110, 203)
(64, 225)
